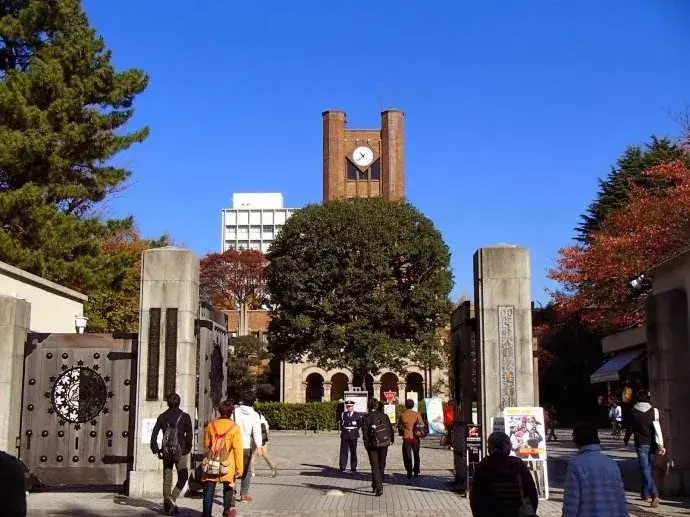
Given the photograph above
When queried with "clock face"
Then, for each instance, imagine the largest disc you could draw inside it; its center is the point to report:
(363, 156)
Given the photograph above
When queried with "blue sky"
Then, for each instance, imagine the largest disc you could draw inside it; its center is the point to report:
(513, 108)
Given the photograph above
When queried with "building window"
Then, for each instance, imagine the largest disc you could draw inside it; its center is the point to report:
(352, 171)
(376, 170)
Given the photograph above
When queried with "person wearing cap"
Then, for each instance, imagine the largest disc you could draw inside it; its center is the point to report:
(502, 485)
(350, 423)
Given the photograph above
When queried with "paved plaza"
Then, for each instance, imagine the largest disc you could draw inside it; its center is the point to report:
(308, 473)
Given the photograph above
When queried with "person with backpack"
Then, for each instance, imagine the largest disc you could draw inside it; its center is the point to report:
(249, 423)
(411, 427)
(224, 460)
(648, 439)
(262, 451)
(176, 445)
(377, 434)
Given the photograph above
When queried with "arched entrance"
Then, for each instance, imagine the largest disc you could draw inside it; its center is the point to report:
(314, 389)
(389, 381)
(339, 383)
(415, 382)
(368, 384)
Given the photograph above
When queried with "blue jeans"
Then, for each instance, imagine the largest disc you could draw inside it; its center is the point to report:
(209, 491)
(644, 460)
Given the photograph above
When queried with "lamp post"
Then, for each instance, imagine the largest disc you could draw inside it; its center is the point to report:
(80, 323)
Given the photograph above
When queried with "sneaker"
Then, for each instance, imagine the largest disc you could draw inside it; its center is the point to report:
(232, 512)
(378, 492)
(655, 502)
(246, 498)
(275, 472)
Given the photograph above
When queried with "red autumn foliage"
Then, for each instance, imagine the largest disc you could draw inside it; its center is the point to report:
(653, 227)
(233, 278)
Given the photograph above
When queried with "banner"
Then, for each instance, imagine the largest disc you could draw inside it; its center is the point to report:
(525, 427)
(434, 415)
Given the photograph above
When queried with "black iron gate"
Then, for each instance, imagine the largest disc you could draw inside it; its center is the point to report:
(78, 408)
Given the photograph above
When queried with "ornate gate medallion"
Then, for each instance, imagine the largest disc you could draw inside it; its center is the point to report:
(79, 395)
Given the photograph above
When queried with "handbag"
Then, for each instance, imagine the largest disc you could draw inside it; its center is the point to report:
(526, 509)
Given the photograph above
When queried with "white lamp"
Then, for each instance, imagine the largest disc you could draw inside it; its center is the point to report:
(80, 323)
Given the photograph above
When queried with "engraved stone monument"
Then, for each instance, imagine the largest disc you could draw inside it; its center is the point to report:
(167, 353)
(503, 331)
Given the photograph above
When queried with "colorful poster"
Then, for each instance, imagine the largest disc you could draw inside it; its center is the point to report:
(525, 427)
(434, 416)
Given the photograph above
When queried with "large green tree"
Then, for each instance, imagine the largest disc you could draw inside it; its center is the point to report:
(614, 191)
(357, 284)
(64, 111)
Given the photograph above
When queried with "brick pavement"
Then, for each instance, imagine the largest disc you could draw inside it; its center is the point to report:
(307, 472)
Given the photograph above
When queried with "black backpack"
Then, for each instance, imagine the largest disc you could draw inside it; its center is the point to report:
(379, 431)
(171, 448)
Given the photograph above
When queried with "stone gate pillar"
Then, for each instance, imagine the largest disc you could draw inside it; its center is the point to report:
(15, 315)
(167, 359)
(504, 330)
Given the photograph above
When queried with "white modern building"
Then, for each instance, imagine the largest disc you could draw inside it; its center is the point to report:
(253, 221)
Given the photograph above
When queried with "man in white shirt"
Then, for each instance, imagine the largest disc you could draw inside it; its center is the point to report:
(250, 427)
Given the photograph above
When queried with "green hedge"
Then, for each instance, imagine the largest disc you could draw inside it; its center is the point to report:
(312, 415)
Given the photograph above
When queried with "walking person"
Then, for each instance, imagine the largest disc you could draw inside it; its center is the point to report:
(411, 428)
(648, 440)
(593, 482)
(350, 423)
(502, 485)
(262, 451)
(12, 486)
(551, 422)
(224, 461)
(176, 445)
(616, 417)
(249, 423)
(377, 434)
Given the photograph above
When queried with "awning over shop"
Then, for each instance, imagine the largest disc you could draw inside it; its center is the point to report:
(611, 369)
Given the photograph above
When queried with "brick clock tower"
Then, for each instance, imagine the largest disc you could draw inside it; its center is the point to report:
(363, 162)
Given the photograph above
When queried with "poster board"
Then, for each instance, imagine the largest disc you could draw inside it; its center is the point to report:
(359, 397)
(526, 429)
(434, 416)
(389, 409)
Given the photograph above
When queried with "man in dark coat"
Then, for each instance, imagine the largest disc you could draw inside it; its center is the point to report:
(179, 421)
(12, 486)
(377, 434)
(500, 482)
(350, 422)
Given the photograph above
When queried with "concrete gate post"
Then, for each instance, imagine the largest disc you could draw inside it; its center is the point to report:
(167, 359)
(15, 316)
(504, 331)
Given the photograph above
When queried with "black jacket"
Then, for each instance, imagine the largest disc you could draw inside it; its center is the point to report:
(496, 489)
(185, 432)
(12, 486)
(350, 425)
(374, 418)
